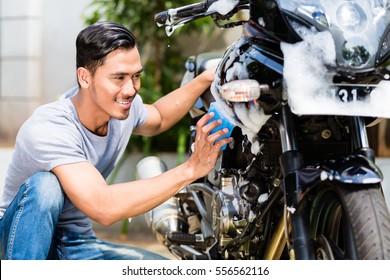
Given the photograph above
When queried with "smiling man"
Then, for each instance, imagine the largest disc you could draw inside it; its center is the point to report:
(56, 181)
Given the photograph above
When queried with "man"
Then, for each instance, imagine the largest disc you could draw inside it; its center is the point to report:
(66, 150)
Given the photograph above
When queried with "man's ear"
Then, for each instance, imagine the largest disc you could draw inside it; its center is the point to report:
(84, 77)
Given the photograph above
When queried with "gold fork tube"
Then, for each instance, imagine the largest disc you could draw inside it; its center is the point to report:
(278, 242)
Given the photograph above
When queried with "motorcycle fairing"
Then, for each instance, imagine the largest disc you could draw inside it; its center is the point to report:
(347, 74)
(311, 88)
(358, 28)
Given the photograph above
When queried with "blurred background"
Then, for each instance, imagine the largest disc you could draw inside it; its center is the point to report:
(37, 65)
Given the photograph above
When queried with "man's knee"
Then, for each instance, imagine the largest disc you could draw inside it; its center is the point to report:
(48, 189)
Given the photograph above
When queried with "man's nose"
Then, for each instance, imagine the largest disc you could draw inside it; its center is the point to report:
(129, 88)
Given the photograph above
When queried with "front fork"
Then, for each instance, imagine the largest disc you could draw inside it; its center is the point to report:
(291, 162)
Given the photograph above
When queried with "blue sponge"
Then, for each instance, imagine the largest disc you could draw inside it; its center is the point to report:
(226, 123)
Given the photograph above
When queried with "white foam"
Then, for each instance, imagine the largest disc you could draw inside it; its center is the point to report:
(309, 82)
(223, 7)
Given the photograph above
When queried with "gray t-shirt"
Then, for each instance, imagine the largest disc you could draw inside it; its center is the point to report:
(54, 136)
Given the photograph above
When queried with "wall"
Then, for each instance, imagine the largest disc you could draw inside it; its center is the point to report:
(20, 61)
(36, 56)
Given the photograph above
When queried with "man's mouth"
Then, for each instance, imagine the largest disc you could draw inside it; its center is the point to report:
(123, 102)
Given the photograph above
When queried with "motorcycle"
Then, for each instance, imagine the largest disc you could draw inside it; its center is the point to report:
(299, 181)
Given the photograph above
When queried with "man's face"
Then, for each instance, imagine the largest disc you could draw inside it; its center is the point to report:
(117, 82)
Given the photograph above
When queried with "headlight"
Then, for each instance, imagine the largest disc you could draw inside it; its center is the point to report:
(355, 53)
(351, 17)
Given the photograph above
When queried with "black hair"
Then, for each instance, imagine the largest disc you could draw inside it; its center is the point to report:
(99, 39)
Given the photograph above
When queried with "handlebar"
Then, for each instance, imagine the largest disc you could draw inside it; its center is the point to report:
(169, 16)
(223, 10)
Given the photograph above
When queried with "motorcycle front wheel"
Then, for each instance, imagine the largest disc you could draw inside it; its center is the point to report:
(349, 222)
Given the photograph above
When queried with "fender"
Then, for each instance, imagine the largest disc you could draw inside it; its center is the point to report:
(351, 170)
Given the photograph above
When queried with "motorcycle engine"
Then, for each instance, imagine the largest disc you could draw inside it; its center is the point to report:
(232, 209)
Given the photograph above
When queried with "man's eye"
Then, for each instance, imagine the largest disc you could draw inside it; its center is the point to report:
(121, 78)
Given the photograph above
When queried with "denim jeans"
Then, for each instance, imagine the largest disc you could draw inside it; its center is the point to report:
(28, 228)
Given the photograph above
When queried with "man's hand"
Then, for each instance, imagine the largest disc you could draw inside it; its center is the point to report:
(205, 149)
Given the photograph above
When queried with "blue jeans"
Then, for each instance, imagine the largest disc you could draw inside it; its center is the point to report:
(28, 228)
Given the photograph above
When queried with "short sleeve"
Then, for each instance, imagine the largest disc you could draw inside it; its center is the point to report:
(50, 139)
(139, 110)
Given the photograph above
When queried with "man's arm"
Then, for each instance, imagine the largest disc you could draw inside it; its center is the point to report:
(89, 192)
(171, 108)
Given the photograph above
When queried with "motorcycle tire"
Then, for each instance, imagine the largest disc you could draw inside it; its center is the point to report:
(350, 222)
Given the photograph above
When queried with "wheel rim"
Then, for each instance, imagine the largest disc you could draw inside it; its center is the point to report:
(323, 249)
